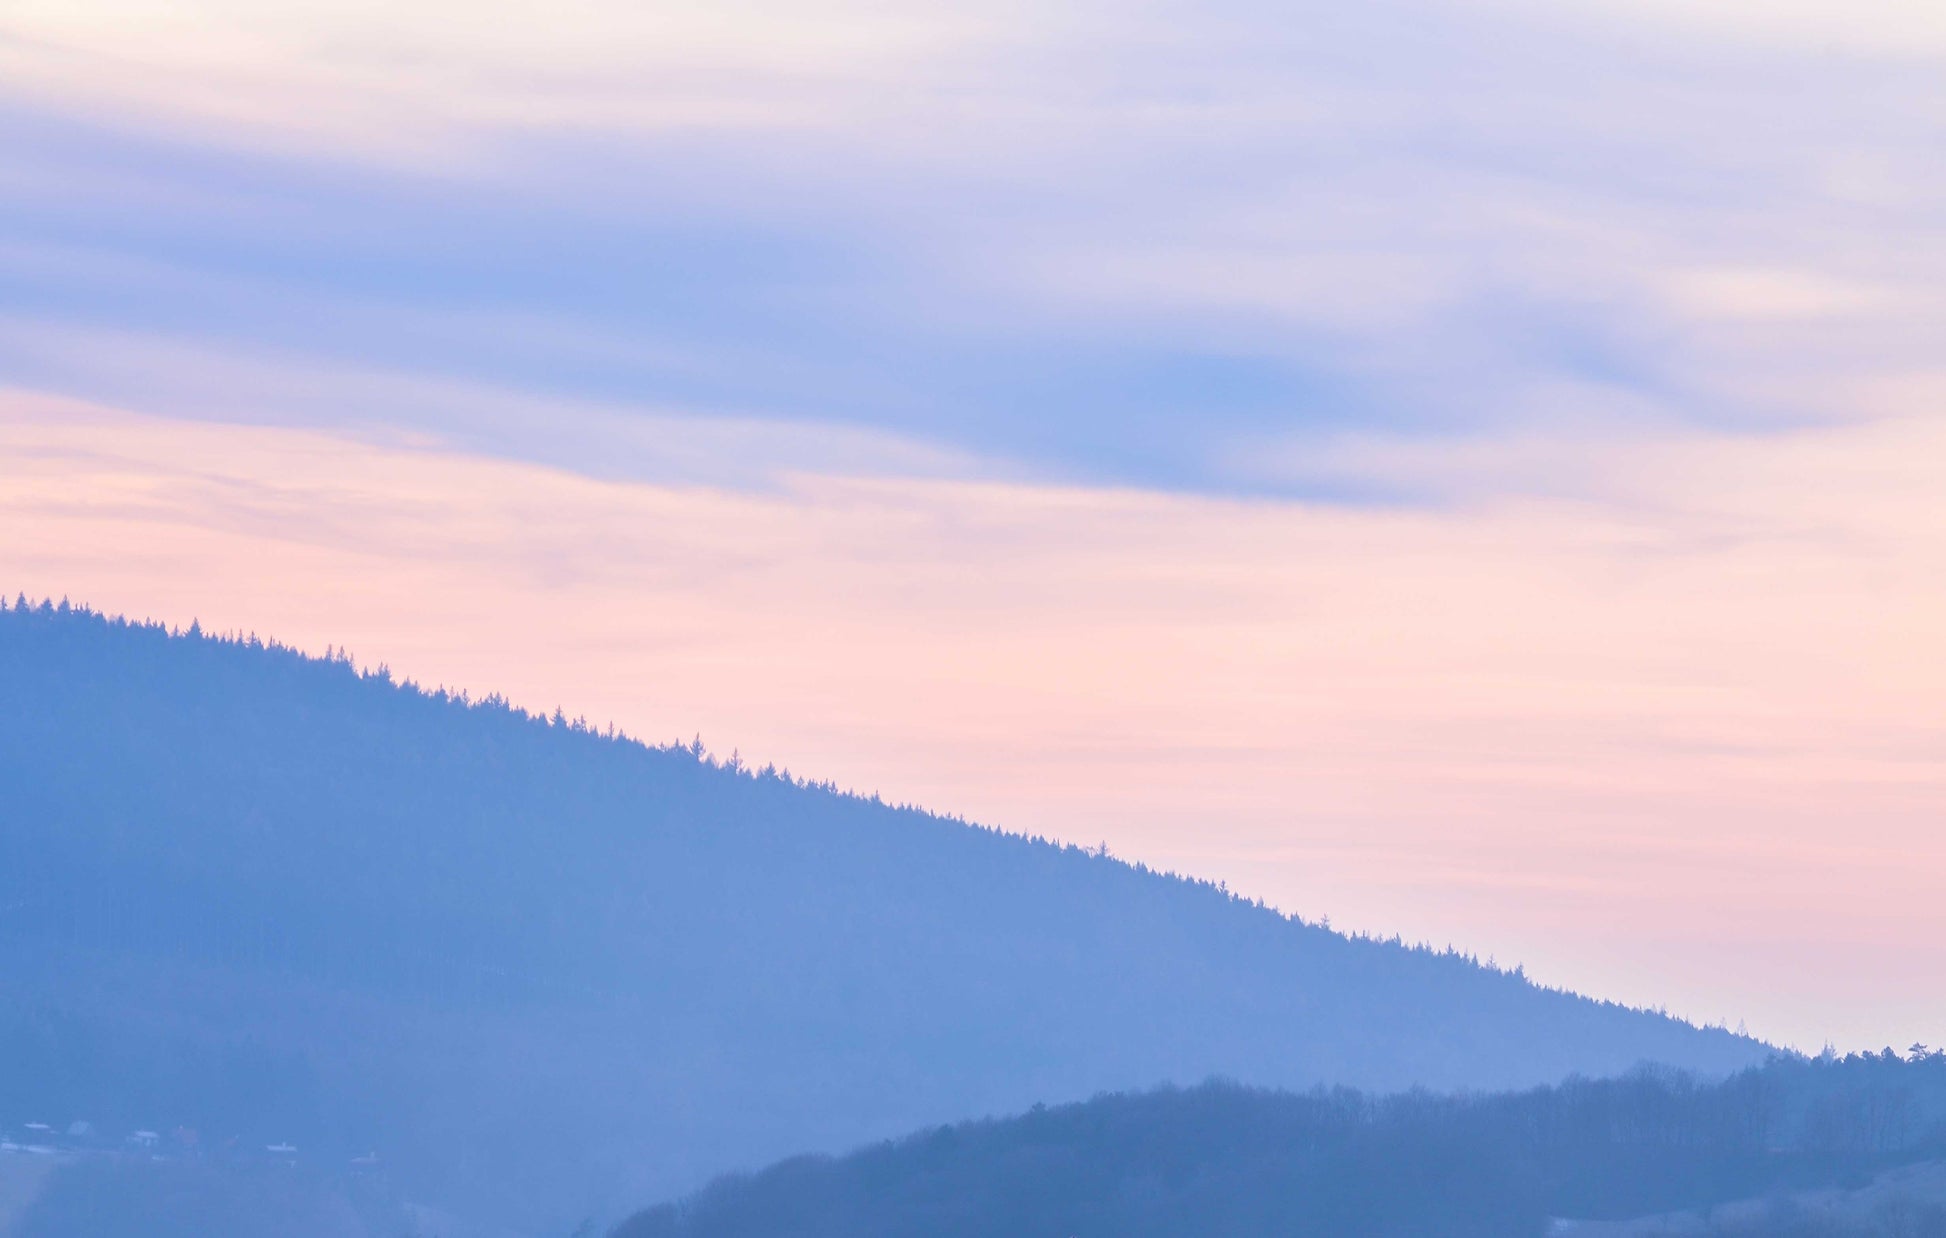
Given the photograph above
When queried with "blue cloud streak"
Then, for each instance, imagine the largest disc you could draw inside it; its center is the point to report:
(841, 285)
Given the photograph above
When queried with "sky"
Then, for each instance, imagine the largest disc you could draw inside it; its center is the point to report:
(1466, 469)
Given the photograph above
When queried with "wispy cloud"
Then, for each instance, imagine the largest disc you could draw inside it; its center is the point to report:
(407, 81)
(1129, 246)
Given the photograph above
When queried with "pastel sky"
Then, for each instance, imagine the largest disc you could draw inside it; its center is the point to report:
(1476, 469)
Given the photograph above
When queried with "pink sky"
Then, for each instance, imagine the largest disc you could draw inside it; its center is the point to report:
(1469, 468)
(1675, 739)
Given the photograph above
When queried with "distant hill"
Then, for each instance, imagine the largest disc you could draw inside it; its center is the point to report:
(1764, 1154)
(544, 971)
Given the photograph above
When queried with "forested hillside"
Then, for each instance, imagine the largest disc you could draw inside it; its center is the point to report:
(547, 972)
(1221, 1161)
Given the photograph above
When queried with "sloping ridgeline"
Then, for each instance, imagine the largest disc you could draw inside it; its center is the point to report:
(1221, 1161)
(548, 973)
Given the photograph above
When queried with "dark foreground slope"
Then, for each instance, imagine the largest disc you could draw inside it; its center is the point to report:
(268, 898)
(1222, 1161)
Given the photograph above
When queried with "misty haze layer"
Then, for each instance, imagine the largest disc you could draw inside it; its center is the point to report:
(547, 972)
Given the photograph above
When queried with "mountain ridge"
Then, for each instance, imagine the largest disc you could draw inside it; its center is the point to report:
(1774, 1151)
(663, 965)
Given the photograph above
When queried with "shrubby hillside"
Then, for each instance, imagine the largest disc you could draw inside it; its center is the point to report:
(1768, 1153)
(547, 972)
